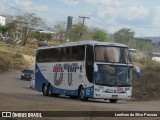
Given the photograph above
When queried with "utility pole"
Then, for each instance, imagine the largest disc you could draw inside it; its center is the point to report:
(82, 31)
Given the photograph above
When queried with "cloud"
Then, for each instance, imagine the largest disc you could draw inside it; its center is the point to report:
(143, 20)
(156, 16)
(24, 3)
(70, 1)
(40, 8)
(123, 15)
(104, 2)
(28, 5)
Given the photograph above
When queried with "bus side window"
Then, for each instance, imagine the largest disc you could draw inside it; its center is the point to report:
(68, 54)
(89, 63)
(54, 55)
(80, 53)
(38, 56)
(63, 55)
(74, 53)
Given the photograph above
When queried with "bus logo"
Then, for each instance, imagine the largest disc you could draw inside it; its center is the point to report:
(72, 68)
(120, 90)
(58, 68)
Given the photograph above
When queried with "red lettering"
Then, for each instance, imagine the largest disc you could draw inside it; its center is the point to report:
(120, 90)
(58, 69)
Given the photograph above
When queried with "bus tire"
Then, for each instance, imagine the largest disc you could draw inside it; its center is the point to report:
(50, 91)
(81, 94)
(45, 90)
(113, 100)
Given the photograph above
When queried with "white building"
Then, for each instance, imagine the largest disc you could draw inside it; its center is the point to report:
(2, 20)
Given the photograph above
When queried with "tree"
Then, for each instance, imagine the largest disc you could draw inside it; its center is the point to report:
(100, 35)
(7, 29)
(40, 35)
(60, 31)
(3, 28)
(26, 23)
(76, 32)
(143, 44)
(11, 28)
(124, 36)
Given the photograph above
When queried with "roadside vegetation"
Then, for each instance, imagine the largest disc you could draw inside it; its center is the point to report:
(28, 49)
(148, 86)
(11, 61)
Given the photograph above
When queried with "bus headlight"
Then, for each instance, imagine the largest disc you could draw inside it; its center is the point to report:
(129, 90)
(100, 89)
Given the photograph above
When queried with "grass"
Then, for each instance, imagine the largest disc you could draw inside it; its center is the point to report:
(11, 61)
(28, 49)
(148, 86)
(19, 49)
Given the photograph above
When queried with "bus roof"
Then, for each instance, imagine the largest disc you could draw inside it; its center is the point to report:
(91, 42)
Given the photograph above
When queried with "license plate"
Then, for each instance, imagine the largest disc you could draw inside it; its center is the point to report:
(114, 96)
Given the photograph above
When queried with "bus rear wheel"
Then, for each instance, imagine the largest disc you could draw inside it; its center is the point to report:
(51, 92)
(81, 94)
(113, 100)
(45, 90)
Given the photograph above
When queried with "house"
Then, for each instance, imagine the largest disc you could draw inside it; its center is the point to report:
(2, 20)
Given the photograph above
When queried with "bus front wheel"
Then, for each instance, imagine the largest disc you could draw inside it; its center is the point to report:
(113, 100)
(81, 94)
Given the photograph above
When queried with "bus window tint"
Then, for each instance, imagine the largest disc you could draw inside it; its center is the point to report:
(73, 53)
(48, 55)
(64, 54)
(41, 56)
(80, 53)
(112, 54)
(54, 55)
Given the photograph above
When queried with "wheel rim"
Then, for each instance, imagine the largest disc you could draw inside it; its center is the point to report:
(81, 94)
(50, 93)
(45, 90)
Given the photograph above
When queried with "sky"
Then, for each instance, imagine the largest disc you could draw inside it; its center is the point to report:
(141, 16)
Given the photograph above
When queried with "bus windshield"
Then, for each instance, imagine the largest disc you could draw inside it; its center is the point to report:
(112, 75)
(112, 54)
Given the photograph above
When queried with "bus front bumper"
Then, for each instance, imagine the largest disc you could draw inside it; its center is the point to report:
(105, 95)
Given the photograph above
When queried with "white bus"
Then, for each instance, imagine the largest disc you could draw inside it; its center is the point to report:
(86, 69)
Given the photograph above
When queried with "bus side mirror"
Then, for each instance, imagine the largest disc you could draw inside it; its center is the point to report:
(138, 72)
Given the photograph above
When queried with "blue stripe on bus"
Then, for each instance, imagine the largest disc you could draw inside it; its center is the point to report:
(64, 91)
(88, 92)
(40, 79)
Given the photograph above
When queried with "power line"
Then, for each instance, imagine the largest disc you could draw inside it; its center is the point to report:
(83, 17)
(82, 32)
(9, 6)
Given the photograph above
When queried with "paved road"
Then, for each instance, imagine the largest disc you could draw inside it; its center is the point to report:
(15, 95)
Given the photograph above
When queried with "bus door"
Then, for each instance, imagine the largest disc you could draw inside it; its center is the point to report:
(89, 63)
